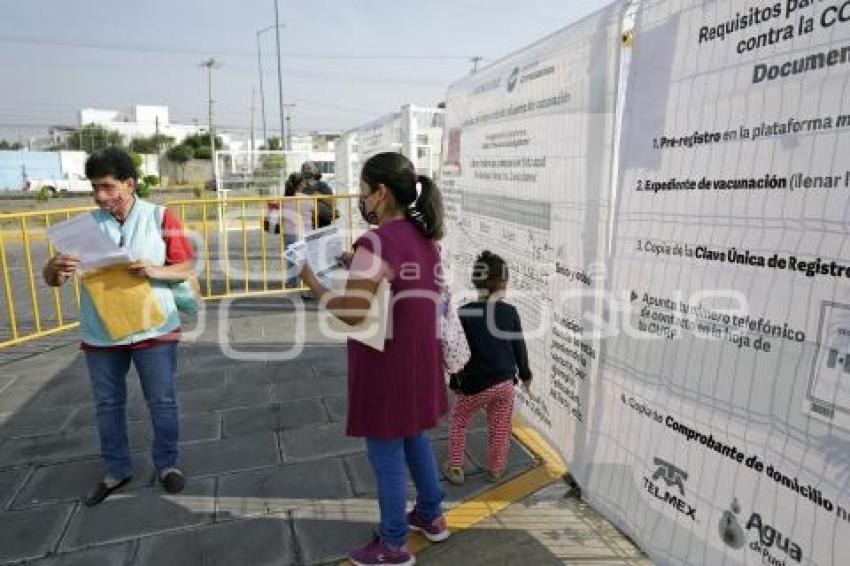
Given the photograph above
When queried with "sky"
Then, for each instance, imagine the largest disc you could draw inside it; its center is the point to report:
(344, 62)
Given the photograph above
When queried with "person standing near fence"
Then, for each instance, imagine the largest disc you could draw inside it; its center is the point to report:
(395, 395)
(296, 219)
(314, 186)
(154, 238)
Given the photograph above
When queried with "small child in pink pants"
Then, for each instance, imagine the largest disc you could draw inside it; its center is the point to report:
(494, 332)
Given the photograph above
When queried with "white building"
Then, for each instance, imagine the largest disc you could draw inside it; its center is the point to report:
(413, 131)
(144, 121)
(318, 147)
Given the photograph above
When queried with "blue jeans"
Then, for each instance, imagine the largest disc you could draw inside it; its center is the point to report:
(107, 372)
(388, 459)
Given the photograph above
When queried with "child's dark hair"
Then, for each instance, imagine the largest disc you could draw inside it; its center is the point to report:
(489, 273)
(397, 173)
(111, 161)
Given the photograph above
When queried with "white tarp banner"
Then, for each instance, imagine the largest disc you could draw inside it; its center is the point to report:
(721, 433)
(380, 135)
(526, 173)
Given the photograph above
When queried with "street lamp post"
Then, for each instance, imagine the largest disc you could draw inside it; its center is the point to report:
(211, 64)
(289, 125)
(279, 80)
(262, 91)
(260, 32)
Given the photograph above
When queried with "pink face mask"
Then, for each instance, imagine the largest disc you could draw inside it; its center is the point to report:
(114, 205)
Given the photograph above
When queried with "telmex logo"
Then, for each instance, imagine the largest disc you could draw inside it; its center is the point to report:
(671, 475)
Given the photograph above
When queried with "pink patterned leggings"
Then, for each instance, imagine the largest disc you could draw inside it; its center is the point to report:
(499, 403)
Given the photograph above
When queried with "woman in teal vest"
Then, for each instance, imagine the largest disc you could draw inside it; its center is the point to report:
(162, 253)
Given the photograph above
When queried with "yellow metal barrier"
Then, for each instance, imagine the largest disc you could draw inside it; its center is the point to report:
(239, 244)
(229, 233)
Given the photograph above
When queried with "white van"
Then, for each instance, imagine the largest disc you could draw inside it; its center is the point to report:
(70, 183)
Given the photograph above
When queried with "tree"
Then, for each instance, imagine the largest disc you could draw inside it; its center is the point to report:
(272, 144)
(200, 144)
(270, 170)
(137, 161)
(43, 194)
(10, 145)
(203, 152)
(181, 155)
(152, 144)
(92, 138)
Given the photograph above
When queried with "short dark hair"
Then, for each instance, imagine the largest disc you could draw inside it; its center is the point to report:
(490, 272)
(292, 183)
(310, 171)
(111, 161)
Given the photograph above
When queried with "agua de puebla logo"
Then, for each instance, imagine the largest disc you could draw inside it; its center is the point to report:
(672, 492)
(773, 547)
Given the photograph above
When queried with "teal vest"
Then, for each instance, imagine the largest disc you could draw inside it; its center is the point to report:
(141, 235)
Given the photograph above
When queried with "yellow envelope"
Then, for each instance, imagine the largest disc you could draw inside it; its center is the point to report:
(125, 303)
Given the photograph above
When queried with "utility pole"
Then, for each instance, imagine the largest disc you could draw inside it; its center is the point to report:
(158, 152)
(253, 134)
(475, 60)
(289, 125)
(211, 64)
(262, 91)
(260, 32)
(279, 79)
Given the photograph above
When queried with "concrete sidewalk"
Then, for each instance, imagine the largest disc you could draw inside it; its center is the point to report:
(548, 527)
(272, 477)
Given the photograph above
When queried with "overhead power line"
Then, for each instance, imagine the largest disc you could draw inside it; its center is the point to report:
(142, 48)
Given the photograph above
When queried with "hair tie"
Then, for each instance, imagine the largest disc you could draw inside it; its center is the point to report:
(417, 190)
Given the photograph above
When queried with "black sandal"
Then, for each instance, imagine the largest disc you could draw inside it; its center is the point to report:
(102, 491)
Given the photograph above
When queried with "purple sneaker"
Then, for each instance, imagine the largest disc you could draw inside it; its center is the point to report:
(378, 552)
(435, 531)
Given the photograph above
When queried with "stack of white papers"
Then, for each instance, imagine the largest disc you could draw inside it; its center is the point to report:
(321, 249)
(81, 237)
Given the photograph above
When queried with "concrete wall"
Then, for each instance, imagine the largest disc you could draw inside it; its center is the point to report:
(195, 171)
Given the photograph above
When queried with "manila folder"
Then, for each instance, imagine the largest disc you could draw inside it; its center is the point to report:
(125, 303)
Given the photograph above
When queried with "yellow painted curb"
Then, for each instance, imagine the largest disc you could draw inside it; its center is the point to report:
(485, 505)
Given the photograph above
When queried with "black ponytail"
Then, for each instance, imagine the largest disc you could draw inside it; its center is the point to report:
(427, 211)
(397, 173)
